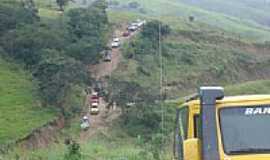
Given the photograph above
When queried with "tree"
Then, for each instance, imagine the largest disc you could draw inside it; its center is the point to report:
(56, 74)
(31, 6)
(133, 5)
(43, 50)
(143, 116)
(88, 30)
(13, 14)
(26, 42)
(62, 3)
(100, 4)
(113, 3)
(74, 151)
(87, 22)
(148, 43)
(153, 29)
(191, 18)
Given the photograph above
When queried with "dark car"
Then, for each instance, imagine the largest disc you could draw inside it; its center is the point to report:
(108, 56)
(126, 34)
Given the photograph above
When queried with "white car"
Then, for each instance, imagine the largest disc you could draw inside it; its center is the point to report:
(115, 44)
(94, 110)
(130, 104)
(94, 93)
(116, 40)
(140, 24)
(94, 104)
(85, 125)
(134, 24)
(132, 28)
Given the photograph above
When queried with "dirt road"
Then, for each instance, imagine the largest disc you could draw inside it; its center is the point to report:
(106, 68)
(101, 123)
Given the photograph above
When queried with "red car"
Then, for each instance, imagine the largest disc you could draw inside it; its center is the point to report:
(94, 98)
(126, 34)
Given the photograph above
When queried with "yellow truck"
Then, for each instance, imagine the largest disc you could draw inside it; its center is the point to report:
(210, 126)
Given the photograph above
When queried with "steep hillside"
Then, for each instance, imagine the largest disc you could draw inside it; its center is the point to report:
(20, 110)
(216, 48)
(252, 87)
(39, 81)
(256, 11)
(176, 11)
(115, 145)
(193, 58)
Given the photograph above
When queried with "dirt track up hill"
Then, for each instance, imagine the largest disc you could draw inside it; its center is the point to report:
(100, 123)
(106, 68)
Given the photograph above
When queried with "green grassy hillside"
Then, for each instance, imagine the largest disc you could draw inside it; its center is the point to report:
(246, 88)
(98, 147)
(256, 11)
(111, 144)
(252, 87)
(192, 58)
(204, 52)
(20, 111)
(217, 48)
(176, 11)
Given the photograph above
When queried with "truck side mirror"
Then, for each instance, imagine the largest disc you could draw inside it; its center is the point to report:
(192, 149)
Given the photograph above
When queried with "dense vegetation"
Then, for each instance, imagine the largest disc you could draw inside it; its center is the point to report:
(56, 43)
(56, 55)
(199, 50)
(186, 59)
(144, 114)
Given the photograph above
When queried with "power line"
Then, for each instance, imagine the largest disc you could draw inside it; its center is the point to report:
(161, 85)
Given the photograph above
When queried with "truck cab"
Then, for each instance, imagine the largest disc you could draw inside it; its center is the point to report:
(210, 126)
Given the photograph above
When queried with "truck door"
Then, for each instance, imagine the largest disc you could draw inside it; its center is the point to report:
(181, 131)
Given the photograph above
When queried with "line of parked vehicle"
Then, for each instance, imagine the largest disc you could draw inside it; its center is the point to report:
(93, 105)
(134, 26)
(94, 99)
(116, 42)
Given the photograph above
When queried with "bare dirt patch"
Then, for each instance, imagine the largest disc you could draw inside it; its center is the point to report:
(43, 136)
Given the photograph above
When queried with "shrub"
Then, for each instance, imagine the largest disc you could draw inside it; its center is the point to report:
(74, 151)
(133, 5)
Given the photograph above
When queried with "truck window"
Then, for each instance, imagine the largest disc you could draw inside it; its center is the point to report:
(197, 126)
(245, 130)
(181, 131)
(183, 122)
